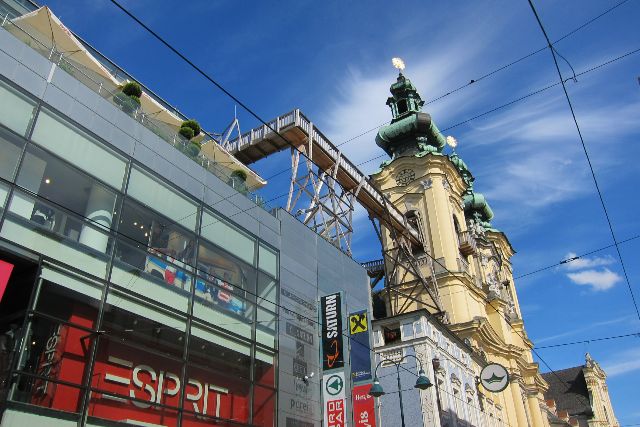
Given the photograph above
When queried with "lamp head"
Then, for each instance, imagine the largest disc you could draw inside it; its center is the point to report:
(423, 382)
(376, 389)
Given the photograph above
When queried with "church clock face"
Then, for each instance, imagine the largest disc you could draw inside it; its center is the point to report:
(404, 177)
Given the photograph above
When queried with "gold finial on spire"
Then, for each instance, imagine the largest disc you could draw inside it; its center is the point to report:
(398, 63)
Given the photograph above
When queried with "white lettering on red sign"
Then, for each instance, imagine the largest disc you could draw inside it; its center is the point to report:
(162, 382)
(335, 413)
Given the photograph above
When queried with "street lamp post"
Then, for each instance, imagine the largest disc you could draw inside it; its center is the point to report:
(422, 383)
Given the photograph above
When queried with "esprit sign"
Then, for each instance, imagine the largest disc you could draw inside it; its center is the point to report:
(49, 364)
(149, 385)
(332, 347)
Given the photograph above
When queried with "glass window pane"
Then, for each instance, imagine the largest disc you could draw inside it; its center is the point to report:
(69, 298)
(214, 263)
(264, 405)
(4, 192)
(264, 366)
(150, 191)
(268, 261)
(134, 384)
(58, 352)
(16, 110)
(219, 369)
(10, 147)
(64, 185)
(78, 148)
(151, 276)
(46, 228)
(158, 235)
(267, 292)
(135, 322)
(266, 326)
(216, 230)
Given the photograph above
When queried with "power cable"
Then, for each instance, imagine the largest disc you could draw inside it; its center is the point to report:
(586, 153)
(614, 337)
(575, 258)
(489, 74)
(204, 74)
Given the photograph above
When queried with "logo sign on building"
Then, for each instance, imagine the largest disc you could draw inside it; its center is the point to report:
(363, 407)
(360, 351)
(332, 347)
(5, 273)
(335, 410)
(494, 377)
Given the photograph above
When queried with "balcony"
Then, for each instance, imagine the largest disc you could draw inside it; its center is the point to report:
(101, 76)
(467, 243)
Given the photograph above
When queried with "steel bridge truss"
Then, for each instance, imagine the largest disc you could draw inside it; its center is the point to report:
(319, 201)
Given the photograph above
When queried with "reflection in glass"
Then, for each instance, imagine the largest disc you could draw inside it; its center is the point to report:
(218, 231)
(77, 147)
(55, 232)
(16, 110)
(63, 185)
(10, 147)
(58, 355)
(264, 403)
(165, 241)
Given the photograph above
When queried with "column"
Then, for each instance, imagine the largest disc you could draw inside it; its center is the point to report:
(534, 409)
(100, 211)
(516, 397)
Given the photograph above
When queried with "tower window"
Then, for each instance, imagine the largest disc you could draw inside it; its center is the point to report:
(402, 106)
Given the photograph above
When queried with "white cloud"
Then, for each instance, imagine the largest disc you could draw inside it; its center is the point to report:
(599, 280)
(587, 328)
(586, 262)
(625, 362)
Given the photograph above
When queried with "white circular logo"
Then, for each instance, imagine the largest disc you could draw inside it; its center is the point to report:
(494, 377)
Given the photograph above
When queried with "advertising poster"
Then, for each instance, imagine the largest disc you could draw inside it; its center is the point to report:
(5, 273)
(332, 344)
(334, 398)
(363, 407)
(360, 350)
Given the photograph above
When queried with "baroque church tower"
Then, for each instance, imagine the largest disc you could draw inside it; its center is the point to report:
(461, 270)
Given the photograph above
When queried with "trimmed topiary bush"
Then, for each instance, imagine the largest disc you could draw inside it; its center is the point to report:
(132, 89)
(240, 174)
(192, 124)
(187, 132)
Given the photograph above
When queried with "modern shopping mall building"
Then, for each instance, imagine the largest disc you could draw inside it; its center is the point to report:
(136, 285)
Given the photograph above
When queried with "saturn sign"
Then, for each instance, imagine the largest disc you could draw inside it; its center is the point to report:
(494, 377)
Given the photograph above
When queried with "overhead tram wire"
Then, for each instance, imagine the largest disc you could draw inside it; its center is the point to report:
(497, 70)
(575, 258)
(586, 153)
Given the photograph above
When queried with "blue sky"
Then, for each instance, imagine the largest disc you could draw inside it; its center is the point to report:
(332, 60)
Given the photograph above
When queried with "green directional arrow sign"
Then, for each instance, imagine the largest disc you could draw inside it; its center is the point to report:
(334, 385)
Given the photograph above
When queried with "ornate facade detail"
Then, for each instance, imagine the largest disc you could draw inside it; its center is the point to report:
(445, 184)
(475, 228)
(404, 177)
(426, 183)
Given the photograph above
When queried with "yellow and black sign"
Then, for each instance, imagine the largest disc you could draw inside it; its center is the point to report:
(358, 323)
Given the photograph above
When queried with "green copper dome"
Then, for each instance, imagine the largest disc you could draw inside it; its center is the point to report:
(462, 168)
(411, 132)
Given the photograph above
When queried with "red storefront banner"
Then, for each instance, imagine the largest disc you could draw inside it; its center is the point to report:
(364, 411)
(5, 273)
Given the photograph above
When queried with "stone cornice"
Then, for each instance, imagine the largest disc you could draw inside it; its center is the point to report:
(480, 329)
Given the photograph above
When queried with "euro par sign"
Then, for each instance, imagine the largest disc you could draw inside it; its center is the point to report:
(494, 377)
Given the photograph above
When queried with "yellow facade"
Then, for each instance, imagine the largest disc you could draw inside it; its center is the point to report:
(468, 261)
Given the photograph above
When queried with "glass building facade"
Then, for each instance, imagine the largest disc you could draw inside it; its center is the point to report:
(146, 304)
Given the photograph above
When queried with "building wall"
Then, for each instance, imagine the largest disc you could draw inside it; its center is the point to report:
(456, 400)
(476, 291)
(233, 276)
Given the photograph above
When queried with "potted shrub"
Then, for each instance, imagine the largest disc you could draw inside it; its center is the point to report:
(238, 180)
(193, 125)
(129, 97)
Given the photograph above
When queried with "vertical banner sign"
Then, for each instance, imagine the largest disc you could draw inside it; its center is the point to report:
(5, 273)
(360, 351)
(334, 398)
(332, 351)
(364, 414)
